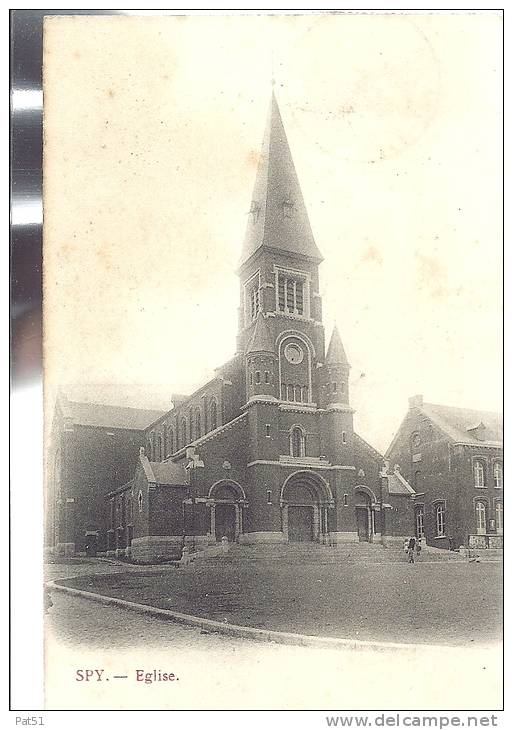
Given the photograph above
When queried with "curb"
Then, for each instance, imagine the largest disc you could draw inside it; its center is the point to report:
(246, 632)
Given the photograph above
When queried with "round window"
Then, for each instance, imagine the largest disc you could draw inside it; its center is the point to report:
(294, 353)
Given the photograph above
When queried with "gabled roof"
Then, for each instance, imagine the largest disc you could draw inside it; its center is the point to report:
(168, 472)
(107, 416)
(397, 484)
(278, 217)
(336, 354)
(260, 340)
(455, 422)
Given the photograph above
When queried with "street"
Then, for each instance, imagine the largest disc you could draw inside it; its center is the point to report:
(218, 672)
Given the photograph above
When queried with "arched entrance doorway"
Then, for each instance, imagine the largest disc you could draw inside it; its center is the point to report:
(305, 500)
(365, 507)
(226, 500)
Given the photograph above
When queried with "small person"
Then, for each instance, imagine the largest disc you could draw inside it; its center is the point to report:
(411, 549)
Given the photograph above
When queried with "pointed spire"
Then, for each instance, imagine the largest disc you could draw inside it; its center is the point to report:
(277, 217)
(260, 341)
(336, 354)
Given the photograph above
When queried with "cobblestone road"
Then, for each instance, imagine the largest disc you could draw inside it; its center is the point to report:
(215, 671)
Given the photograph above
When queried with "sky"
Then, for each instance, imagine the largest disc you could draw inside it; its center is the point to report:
(153, 127)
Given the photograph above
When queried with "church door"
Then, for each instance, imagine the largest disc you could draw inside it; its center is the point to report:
(362, 523)
(300, 523)
(225, 521)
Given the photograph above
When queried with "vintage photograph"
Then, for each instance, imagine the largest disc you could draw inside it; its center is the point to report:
(272, 348)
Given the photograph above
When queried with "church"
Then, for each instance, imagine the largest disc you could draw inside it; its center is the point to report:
(265, 452)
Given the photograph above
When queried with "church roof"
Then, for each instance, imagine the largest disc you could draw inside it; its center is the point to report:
(336, 354)
(278, 217)
(260, 341)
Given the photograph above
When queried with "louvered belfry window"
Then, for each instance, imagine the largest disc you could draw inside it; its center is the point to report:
(290, 294)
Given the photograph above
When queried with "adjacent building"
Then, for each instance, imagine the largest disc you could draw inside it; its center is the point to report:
(93, 449)
(453, 458)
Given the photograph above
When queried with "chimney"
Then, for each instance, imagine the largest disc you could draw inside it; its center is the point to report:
(416, 401)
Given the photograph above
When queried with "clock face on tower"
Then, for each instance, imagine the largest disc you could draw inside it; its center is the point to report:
(294, 353)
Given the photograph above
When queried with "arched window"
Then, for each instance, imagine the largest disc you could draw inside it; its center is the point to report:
(191, 426)
(440, 520)
(166, 443)
(481, 518)
(497, 475)
(151, 448)
(267, 377)
(479, 474)
(419, 521)
(297, 441)
(171, 441)
(213, 414)
(499, 517)
(297, 393)
(161, 447)
(290, 392)
(140, 501)
(198, 422)
(183, 432)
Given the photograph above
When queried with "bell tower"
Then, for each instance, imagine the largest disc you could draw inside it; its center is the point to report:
(278, 270)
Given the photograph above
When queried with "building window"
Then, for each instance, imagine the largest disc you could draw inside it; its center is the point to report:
(257, 377)
(440, 516)
(415, 440)
(269, 497)
(267, 377)
(419, 522)
(140, 501)
(171, 441)
(254, 302)
(304, 394)
(497, 475)
(345, 500)
(290, 393)
(268, 430)
(481, 518)
(251, 378)
(183, 432)
(297, 442)
(129, 510)
(479, 474)
(198, 422)
(151, 449)
(499, 517)
(213, 414)
(341, 387)
(290, 294)
(161, 447)
(334, 387)
(297, 393)
(344, 437)
(166, 441)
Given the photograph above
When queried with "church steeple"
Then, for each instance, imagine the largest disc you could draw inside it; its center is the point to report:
(278, 218)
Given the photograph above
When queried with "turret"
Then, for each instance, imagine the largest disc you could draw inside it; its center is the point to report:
(261, 371)
(336, 373)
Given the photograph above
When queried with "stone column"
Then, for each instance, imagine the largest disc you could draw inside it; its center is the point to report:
(285, 521)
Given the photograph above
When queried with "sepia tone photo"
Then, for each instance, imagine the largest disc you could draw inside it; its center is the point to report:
(273, 361)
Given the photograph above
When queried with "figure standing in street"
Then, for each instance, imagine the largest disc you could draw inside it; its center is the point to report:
(411, 549)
